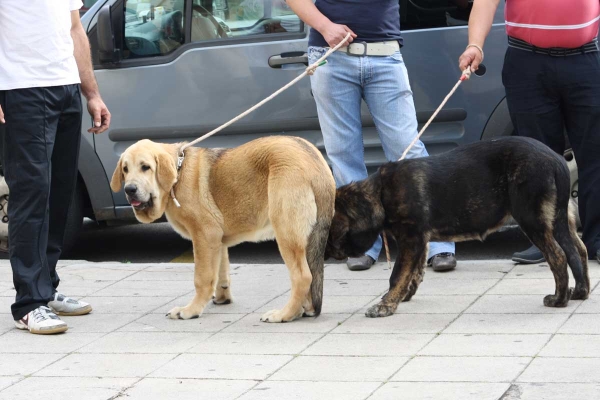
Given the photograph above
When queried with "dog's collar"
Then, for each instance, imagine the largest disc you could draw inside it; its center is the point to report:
(180, 159)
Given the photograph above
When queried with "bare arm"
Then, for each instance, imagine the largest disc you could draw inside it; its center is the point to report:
(308, 12)
(89, 87)
(480, 23)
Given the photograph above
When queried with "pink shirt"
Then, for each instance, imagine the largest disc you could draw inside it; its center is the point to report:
(553, 23)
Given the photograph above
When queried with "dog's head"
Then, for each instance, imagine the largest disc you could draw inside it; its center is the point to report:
(147, 171)
(357, 222)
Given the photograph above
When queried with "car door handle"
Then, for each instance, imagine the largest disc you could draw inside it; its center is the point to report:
(293, 57)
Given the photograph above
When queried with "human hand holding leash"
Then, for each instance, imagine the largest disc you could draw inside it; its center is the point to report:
(335, 33)
(471, 57)
(2, 116)
(99, 113)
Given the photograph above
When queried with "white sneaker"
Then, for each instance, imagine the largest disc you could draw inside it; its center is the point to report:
(41, 321)
(63, 305)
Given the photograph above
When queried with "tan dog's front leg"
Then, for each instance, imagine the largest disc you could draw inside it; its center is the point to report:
(207, 257)
(223, 292)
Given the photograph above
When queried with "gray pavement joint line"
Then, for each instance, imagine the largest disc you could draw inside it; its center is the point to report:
(442, 330)
(550, 339)
(294, 357)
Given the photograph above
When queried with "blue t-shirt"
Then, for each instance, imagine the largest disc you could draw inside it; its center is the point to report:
(371, 20)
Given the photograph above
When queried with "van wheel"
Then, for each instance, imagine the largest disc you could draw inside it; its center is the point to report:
(74, 218)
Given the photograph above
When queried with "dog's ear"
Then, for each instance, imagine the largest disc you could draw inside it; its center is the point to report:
(116, 183)
(166, 171)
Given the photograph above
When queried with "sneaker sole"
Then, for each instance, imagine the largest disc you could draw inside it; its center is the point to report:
(81, 311)
(443, 269)
(59, 329)
(528, 261)
(359, 267)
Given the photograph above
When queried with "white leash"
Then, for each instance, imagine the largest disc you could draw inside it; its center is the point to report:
(466, 74)
(308, 71)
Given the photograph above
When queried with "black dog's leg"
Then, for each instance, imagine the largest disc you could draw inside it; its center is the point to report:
(406, 275)
(542, 237)
(576, 254)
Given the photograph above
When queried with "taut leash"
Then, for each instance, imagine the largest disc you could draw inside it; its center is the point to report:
(466, 74)
(308, 71)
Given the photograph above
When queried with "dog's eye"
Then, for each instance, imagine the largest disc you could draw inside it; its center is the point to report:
(145, 168)
(125, 170)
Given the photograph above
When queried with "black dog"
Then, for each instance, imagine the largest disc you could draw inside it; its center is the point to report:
(463, 194)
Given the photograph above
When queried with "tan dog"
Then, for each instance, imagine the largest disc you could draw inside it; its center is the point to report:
(275, 187)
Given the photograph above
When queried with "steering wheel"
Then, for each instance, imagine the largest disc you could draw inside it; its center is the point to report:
(204, 12)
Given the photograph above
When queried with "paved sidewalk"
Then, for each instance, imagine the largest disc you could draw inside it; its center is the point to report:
(480, 332)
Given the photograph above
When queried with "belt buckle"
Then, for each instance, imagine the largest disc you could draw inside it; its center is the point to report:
(364, 53)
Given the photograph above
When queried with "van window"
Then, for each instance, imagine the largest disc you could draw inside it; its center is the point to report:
(153, 28)
(221, 19)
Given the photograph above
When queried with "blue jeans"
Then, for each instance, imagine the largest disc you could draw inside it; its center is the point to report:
(338, 88)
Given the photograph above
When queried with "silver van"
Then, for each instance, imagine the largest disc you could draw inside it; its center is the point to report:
(172, 70)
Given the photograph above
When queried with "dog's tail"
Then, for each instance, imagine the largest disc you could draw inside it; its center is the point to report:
(315, 252)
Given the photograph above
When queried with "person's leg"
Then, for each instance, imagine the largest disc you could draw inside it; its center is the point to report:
(32, 117)
(579, 77)
(535, 109)
(337, 91)
(389, 97)
(64, 174)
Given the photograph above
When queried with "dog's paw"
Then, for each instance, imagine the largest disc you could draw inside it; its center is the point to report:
(278, 316)
(222, 296)
(380, 310)
(221, 301)
(578, 293)
(553, 301)
(182, 313)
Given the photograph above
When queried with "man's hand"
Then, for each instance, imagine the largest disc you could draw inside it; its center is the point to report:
(2, 121)
(99, 113)
(335, 33)
(471, 56)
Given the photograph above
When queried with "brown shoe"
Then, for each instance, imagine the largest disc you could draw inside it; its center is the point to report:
(442, 262)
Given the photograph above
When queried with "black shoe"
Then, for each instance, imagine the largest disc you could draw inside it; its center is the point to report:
(442, 262)
(532, 255)
(360, 263)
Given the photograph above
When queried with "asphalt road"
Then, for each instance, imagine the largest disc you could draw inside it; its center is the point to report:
(159, 243)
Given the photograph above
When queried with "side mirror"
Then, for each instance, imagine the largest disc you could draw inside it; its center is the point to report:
(108, 51)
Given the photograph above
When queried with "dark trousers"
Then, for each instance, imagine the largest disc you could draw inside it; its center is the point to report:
(547, 94)
(40, 155)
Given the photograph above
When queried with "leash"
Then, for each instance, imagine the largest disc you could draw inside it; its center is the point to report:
(466, 74)
(308, 71)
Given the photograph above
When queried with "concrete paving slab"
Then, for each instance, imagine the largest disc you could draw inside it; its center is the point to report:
(572, 346)
(222, 366)
(305, 390)
(187, 389)
(21, 342)
(15, 364)
(145, 342)
(340, 369)
(482, 345)
(67, 388)
(256, 343)
(462, 369)
(517, 304)
(507, 323)
(552, 391)
(440, 391)
(567, 370)
(374, 344)
(106, 365)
